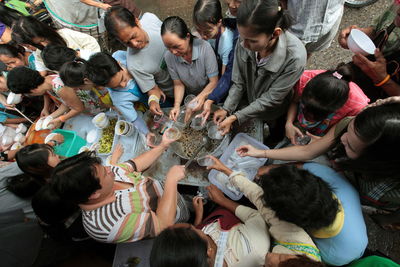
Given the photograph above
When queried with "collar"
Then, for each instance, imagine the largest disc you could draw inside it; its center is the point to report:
(333, 229)
(278, 56)
(195, 51)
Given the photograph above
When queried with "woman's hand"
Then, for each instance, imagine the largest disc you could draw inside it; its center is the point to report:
(313, 137)
(44, 113)
(174, 113)
(220, 115)
(292, 132)
(250, 151)
(207, 109)
(116, 155)
(376, 70)
(226, 126)
(155, 108)
(219, 166)
(200, 99)
(54, 124)
(198, 206)
(177, 173)
(165, 142)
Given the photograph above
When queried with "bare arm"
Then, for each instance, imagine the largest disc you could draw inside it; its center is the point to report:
(70, 98)
(96, 4)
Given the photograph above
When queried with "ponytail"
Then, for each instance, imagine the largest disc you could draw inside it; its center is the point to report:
(73, 73)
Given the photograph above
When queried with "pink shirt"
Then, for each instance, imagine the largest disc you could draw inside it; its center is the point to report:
(355, 103)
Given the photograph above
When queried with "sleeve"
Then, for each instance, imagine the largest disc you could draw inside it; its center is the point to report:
(237, 89)
(224, 83)
(83, 40)
(275, 94)
(245, 213)
(225, 48)
(39, 64)
(141, 125)
(210, 61)
(145, 80)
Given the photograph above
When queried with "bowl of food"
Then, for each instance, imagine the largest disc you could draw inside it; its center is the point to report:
(359, 42)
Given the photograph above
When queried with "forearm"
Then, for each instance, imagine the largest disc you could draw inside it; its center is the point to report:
(209, 88)
(145, 160)
(166, 209)
(179, 92)
(94, 3)
(60, 111)
(391, 88)
(155, 91)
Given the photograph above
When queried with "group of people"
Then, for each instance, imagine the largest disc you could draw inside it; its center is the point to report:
(248, 64)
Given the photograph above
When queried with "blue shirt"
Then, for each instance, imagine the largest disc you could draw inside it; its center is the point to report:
(352, 240)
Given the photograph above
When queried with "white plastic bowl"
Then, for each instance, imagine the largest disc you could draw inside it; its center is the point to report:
(91, 136)
(359, 42)
(13, 99)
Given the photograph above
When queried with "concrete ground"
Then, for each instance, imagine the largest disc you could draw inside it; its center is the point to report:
(385, 241)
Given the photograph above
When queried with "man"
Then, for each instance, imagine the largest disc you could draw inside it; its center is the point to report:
(145, 52)
(120, 204)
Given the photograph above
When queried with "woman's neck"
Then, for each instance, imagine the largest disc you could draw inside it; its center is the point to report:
(269, 49)
(188, 55)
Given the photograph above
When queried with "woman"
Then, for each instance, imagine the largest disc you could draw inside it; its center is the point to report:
(35, 34)
(222, 35)
(367, 145)
(268, 62)
(191, 63)
(7, 17)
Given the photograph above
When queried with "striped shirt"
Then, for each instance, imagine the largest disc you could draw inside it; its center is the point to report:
(131, 216)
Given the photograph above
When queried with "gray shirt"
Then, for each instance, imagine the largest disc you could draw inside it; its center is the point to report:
(147, 65)
(195, 76)
(268, 87)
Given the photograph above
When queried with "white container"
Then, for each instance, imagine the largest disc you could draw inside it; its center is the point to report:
(91, 136)
(21, 128)
(46, 121)
(13, 99)
(19, 138)
(214, 133)
(101, 120)
(124, 128)
(39, 124)
(233, 160)
(359, 42)
(16, 146)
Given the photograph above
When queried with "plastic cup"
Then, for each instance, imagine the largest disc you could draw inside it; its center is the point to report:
(173, 133)
(21, 128)
(205, 161)
(101, 120)
(214, 133)
(197, 123)
(155, 139)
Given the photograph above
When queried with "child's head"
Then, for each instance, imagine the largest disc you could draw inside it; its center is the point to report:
(326, 93)
(106, 71)
(299, 197)
(23, 80)
(260, 22)
(54, 56)
(12, 56)
(75, 73)
(207, 18)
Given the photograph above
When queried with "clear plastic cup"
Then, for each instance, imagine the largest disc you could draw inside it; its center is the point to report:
(197, 123)
(214, 133)
(205, 161)
(173, 133)
(155, 139)
(189, 101)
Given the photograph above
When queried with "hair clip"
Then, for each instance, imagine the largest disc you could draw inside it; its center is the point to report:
(279, 8)
(76, 60)
(337, 75)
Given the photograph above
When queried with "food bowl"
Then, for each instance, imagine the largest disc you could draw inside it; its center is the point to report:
(14, 99)
(359, 42)
(101, 120)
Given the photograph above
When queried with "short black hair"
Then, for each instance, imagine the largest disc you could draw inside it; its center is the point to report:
(9, 15)
(11, 50)
(299, 197)
(302, 261)
(74, 179)
(54, 56)
(24, 185)
(179, 247)
(103, 68)
(22, 80)
(114, 16)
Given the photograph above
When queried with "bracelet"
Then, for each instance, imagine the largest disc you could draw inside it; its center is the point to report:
(62, 118)
(385, 80)
(153, 98)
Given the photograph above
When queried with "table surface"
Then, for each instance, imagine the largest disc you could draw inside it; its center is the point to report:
(135, 145)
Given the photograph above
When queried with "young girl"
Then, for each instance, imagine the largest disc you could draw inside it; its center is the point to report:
(321, 99)
(15, 56)
(268, 62)
(191, 63)
(35, 34)
(222, 35)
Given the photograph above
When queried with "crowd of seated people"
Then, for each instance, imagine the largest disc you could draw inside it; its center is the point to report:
(249, 63)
